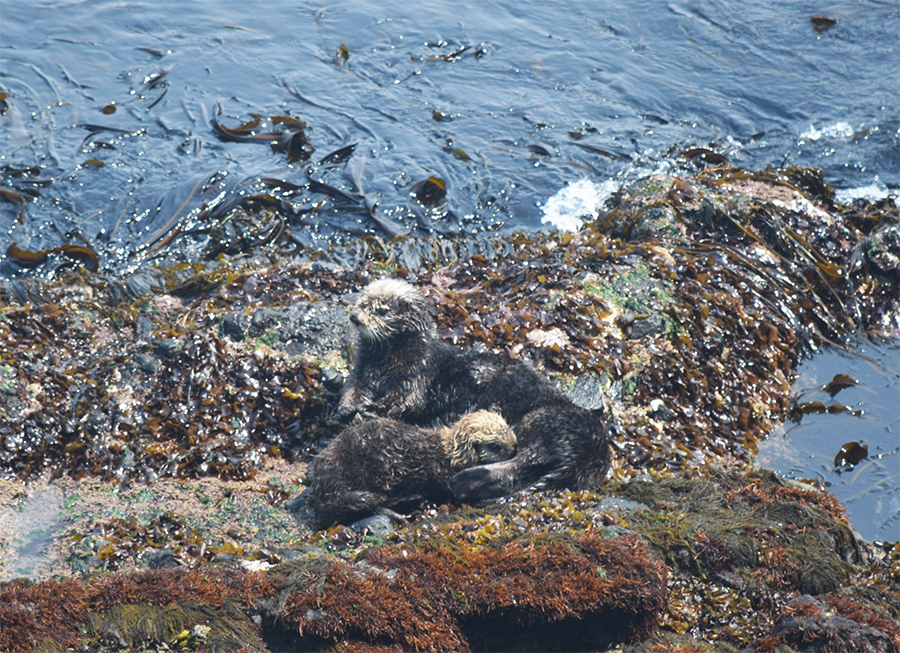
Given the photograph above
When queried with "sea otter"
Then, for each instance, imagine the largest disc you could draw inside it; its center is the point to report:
(405, 372)
(382, 465)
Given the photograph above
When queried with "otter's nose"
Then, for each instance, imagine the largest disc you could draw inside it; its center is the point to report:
(355, 319)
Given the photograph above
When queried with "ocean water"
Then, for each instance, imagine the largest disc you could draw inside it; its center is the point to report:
(106, 135)
(853, 447)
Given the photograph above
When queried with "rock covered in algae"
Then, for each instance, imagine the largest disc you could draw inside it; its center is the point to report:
(682, 312)
(733, 561)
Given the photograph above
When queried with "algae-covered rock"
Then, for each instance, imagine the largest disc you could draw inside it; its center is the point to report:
(174, 412)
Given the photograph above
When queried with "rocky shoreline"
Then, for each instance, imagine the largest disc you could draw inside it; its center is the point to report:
(154, 432)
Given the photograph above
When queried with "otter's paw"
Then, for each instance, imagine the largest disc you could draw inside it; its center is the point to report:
(478, 484)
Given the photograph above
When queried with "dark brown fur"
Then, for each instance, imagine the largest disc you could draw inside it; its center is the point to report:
(385, 465)
(405, 372)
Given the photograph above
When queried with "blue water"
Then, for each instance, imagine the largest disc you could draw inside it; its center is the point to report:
(535, 94)
(870, 489)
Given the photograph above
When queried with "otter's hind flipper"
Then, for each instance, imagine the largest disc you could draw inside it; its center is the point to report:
(346, 507)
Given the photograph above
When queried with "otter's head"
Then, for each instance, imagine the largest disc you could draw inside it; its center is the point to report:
(389, 308)
(480, 438)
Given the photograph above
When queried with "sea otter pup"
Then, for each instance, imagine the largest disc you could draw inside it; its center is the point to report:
(385, 465)
(404, 371)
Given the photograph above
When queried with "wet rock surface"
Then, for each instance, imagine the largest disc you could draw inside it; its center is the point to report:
(173, 414)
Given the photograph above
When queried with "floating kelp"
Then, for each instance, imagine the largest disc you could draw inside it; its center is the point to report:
(15, 198)
(341, 56)
(838, 383)
(339, 156)
(702, 155)
(80, 253)
(850, 455)
(285, 134)
(430, 191)
(822, 23)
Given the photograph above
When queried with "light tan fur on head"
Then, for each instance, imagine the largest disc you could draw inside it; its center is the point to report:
(479, 438)
(389, 307)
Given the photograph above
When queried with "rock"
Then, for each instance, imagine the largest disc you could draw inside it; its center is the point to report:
(263, 320)
(652, 325)
(587, 393)
(297, 504)
(881, 249)
(302, 329)
(332, 379)
(376, 525)
(620, 504)
(143, 330)
(162, 559)
(235, 325)
(812, 625)
(656, 221)
(145, 363)
(169, 348)
(659, 410)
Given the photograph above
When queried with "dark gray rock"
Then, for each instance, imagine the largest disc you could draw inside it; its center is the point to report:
(656, 222)
(265, 319)
(588, 394)
(620, 504)
(235, 325)
(302, 329)
(652, 325)
(298, 503)
(659, 410)
(169, 348)
(143, 330)
(162, 559)
(332, 380)
(881, 250)
(145, 363)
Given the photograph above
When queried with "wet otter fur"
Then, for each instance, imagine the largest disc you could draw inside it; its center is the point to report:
(405, 372)
(382, 465)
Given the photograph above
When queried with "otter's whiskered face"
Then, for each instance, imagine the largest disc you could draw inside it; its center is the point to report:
(480, 438)
(389, 308)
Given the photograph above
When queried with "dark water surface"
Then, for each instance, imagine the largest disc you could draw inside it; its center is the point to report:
(866, 415)
(507, 102)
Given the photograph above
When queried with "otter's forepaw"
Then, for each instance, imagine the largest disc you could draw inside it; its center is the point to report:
(477, 484)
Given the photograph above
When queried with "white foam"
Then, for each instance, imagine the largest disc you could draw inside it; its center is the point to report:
(576, 203)
(873, 192)
(839, 131)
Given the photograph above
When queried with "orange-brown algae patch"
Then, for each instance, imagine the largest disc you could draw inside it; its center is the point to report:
(29, 613)
(56, 610)
(440, 596)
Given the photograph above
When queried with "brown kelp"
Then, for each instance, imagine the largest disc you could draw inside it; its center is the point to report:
(686, 307)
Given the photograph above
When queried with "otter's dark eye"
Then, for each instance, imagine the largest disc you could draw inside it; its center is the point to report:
(382, 310)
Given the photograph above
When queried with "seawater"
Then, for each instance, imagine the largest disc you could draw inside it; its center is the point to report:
(106, 130)
(869, 415)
